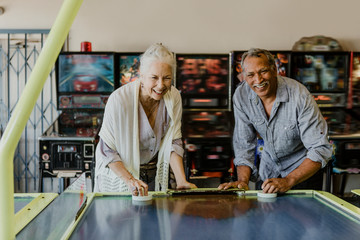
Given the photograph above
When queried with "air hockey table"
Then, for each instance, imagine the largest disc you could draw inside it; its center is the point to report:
(197, 214)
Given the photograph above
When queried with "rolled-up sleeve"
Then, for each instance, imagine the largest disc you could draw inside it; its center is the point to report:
(314, 129)
(177, 147)
(109, 154)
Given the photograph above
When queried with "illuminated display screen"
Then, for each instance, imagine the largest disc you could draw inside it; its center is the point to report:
(356, 71)
(330, 99)
(82, 101)
(86, 74)
(355, 78)
(203, 79)
(67, 148)
(87, 99)
(321, 72)
(129, 64)
(202, 74)
(352, 146)
(206, 124)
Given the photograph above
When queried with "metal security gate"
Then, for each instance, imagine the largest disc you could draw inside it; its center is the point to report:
(19, 50)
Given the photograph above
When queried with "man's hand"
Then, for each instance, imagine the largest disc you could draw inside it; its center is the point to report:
(275, 185)
(306, 169)
(243, 173)
(237, 184)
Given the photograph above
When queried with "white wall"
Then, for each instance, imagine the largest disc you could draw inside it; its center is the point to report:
(198, 26)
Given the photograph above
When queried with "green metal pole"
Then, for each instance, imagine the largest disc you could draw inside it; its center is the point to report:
(23, 109)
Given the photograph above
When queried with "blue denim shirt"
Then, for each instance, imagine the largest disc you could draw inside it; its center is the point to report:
(296, 130)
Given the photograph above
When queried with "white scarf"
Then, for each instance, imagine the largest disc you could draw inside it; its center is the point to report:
(120, 131)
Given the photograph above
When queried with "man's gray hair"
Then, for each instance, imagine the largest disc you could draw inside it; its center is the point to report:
(255, 52)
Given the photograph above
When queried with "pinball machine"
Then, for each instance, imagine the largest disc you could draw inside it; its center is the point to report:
(327, 75)
(352, 149)
(84, 81)
(204, 83)
(129, 64)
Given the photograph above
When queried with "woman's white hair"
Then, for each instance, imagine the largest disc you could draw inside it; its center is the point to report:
(156, 52)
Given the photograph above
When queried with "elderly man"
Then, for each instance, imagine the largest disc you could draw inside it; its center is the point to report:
(285, 115)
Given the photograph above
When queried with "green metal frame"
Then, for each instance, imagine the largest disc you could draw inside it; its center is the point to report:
(356, 191)
(23, 110)
(32, 209)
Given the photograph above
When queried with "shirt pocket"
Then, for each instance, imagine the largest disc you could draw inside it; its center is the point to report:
(291, 131)
(259, 125)
(286, 137)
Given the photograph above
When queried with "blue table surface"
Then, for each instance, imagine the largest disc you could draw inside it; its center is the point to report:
(214, 217)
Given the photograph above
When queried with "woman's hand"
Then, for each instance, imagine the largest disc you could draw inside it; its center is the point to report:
(185, 185)
(176, 164)
(137, 187)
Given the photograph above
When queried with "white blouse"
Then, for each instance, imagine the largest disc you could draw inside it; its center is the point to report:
(150, 139)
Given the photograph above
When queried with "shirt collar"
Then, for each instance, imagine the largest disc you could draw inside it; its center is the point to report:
(282, 93)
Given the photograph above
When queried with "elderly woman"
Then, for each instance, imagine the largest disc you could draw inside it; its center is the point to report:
(141, 131)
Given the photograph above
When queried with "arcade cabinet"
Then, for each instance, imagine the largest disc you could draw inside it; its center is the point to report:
(84, 81)
(204, 83)
(129, 64)
(326, 75)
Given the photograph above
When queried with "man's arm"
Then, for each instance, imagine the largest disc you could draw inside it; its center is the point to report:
(306, 169)
(313, 130)
(244, 173)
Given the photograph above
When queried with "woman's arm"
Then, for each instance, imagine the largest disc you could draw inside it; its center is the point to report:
(113, 161)
(137, 187)
(176, 164)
